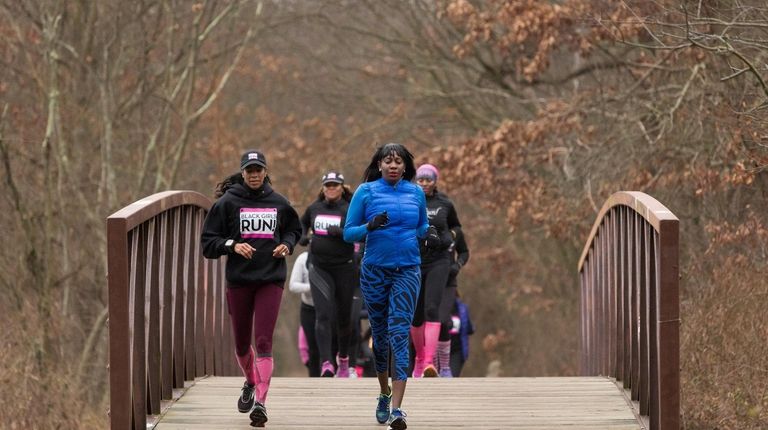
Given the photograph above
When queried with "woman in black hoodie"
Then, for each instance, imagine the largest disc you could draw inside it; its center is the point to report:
(332, 276)
(256, 228)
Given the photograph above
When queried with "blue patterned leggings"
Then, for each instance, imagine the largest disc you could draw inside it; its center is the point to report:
(390, 297)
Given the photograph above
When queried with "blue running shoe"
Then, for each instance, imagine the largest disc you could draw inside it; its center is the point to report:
(382, 407)
(397, 420)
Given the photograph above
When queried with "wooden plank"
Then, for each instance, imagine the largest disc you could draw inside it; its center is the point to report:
(574, 403)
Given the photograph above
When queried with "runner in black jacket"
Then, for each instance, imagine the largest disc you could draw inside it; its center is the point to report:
(435, 268)
(332, 276)
(256, 228)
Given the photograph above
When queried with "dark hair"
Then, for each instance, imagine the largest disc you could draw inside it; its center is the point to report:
(373, 173)
(346, 193)
(231, 180)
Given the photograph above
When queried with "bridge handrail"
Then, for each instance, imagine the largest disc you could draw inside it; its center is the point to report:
(167, 309)
(630, 319)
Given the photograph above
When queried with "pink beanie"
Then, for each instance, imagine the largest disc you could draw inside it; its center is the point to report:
(427, 171)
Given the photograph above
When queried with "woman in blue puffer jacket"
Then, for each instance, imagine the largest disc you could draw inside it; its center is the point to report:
(390, 213)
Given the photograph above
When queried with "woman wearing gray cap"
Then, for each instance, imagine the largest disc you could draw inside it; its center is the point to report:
(332, 276)
(256, 228)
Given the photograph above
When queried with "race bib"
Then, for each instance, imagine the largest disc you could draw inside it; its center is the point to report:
(258, 223)
(322, 222)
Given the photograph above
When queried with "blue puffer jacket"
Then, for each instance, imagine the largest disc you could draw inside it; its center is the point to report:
(396, 244)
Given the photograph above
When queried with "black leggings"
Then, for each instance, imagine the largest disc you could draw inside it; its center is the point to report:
(434, 278)
(332, 290)
(307, 319)
(446, 308)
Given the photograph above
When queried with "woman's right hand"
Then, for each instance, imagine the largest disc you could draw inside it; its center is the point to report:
(432, 240)
(245, 250)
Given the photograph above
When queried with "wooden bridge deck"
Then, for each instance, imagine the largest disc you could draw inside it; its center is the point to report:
(573, 403)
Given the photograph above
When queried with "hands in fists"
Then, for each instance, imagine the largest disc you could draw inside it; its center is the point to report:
(433, 238)
(335, 231)
(378, 221)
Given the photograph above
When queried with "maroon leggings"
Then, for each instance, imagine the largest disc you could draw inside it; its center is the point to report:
(253, 309)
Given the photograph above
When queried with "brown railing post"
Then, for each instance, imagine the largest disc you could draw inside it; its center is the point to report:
(630, 305)
(166, 308)
(668, 329)
(119, 331)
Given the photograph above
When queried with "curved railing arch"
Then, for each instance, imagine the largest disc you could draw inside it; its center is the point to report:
(167, 314)
(630, 305)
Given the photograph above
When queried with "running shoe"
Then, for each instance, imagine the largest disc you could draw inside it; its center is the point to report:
(430, 371)
(245, 402)
(418, 368)
(397, 420)
(382, 407)
(343, 370)
(258, 415)
(327, 370)
(446, 373)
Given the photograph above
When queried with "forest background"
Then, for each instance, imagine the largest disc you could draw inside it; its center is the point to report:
(535, 112)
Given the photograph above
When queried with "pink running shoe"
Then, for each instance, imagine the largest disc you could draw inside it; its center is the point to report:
(327, 370)
(343, 370)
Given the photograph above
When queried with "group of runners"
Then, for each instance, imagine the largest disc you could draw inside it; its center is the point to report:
(397, 240)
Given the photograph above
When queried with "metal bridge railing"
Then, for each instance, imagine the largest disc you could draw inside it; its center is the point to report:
(168, 320)
(630, 305)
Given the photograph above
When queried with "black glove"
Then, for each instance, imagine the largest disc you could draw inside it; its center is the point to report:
(378, 221)
(455, 268)
(335, 231)
(433, 239)
(304, 241)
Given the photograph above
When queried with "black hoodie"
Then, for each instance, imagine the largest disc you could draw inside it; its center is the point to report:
(262, 218)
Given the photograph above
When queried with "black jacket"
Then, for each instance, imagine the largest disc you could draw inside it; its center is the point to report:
(262, 218)
(442, 215)
(326, 249)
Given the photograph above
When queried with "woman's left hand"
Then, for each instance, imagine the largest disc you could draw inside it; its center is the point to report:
(281, 251)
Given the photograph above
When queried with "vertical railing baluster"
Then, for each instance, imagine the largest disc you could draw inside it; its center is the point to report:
(138, 321)
(197, 226)
(653, 368)
(601, 287)
(166, 305)
(636, 307)
(644, 323)
(189, 296)
(178, 300)
(232, 367)
(627, 299)
(152, 311)
(210, 288)
(218, 329)
(592, 313)
(614, 271)
(582, 327)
